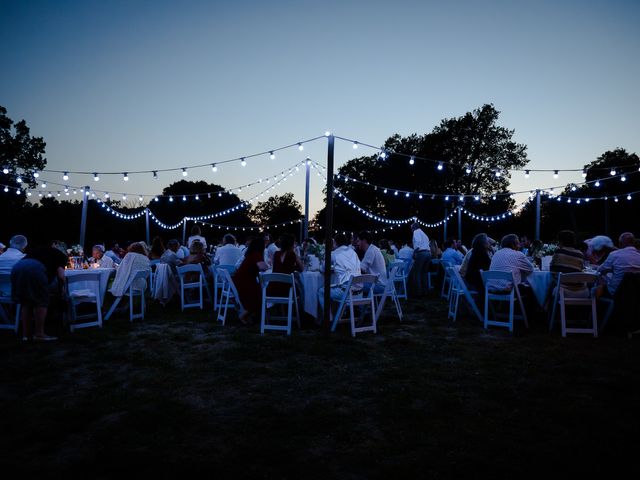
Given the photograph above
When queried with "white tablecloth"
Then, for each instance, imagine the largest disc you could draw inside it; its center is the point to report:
(105, 273)
(311, 283)
(540, 282)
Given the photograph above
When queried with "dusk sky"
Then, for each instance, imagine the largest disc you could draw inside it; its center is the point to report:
(123, 86)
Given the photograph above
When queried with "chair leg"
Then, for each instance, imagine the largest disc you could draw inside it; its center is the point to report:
(486, 311)
(353, 320)
(594, 319)
(563, 318)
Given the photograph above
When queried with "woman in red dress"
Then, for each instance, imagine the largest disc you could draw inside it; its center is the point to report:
(284, 261)
(246, 280)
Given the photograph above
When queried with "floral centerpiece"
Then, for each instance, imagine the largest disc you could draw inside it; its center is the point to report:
(314, 250)
(75, 251)
(548, 249)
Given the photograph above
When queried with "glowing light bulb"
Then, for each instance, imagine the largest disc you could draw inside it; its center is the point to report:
(467, 169)
(597, 184)
(214, 167)
(36, 174)
(612, 172)
(555, 174)
(440, 166)
(623, 178)
(355, 145)
(5, 170)
(412, 160)
(243, 162)
(526, 174)
(584, 174)
(272, 155)
(184, 172)
(96, 177)
(300, 147)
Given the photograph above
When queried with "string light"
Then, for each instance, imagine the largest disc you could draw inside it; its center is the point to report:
(272, 155)
(584, 174)
(5, 170)
(300, 147)
(440, 165)
(125, 177)
(214, 167)
(355, 145)
(184, 172)
(412, 160)
(243, 162)
(65, 176)
(526, 174)
(96, 178)
(555, 174)
(467, 169)
(623, 178)
(613, 172)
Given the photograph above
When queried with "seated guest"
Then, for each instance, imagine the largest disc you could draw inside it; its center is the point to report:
(170, 257)
(197, 255)
(451, 253)
(567, 258)
(228, 253)
(599, 249)
(270, 248)
(406, 252)
(308, 243)
(114, 252)
(436, 251)
(387, 253)
(33, 279)
(182, 251)
(478, 259)
(196, 236)
(3, 247)
(246, 280)
(510, 259)
(157, 249)
(98, 257)
(392, 246)
(619, 262)
(372, 262)
(134, 261)
(14, 253)
(285, 261)
(345, 264)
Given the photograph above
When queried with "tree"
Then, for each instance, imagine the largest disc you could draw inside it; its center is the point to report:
(473, 141)
(278, 209)
(21, 155)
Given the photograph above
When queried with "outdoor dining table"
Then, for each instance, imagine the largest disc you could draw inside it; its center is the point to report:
(105, 273)
(540, 282)
(310, 282)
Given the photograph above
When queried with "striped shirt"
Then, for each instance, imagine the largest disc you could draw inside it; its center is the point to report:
(509, 260)
(567, 260)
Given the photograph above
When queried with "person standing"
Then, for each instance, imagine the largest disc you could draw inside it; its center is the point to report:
(421, 258)
(13, 254)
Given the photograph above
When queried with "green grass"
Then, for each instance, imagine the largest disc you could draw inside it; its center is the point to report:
(177, 393)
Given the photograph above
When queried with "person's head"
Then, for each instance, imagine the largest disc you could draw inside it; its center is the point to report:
(228, 239)
(173, 245)
(384, 244)
(364, 240)
(97, 252)
(510, 241)
(415, 226)
(341, 240)
(524, 241)
(197, 248)
(195, 230)
(256, 245)
(601, 243)
(287, 242)
(3, 247)
(480, 242)
(566, 238)
(450, 243)
(627, 240)
(157, 247)
(137, 247)
(268, 239)
(19, 242)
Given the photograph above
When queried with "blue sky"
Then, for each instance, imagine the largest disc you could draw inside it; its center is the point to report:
(120, 86)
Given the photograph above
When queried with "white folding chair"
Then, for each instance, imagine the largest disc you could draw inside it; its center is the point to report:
(575, 289)
(7, 302)
(228, 297)
(354, 296)
(90, 294)
(446, 281)
(152, 277)
(218, 281)
(431, 274)
(183, 271)
(507, 295)
(132, 289)
(458, 289)
(389, 291)
(400, 277)
(290, 300)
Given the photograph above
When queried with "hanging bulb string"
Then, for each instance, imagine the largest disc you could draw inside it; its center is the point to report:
(266, 179)
(269, 152)
(412, 156)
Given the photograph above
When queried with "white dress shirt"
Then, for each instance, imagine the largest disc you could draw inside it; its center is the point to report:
(9, 258)
(420, 240)
(104, 262)
(269, 252)
(373, 262)
(618, 263)
(345, 263)
(405, 253)
(453, 256)
(227, 255)
(193, 238)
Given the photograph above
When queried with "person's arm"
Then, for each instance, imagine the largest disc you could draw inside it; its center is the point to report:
(525, 265)
(262, 266)
(607, 266)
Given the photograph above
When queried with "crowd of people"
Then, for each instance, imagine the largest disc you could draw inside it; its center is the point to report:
(37, 275)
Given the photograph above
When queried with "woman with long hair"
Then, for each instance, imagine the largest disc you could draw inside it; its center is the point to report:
(246, 279)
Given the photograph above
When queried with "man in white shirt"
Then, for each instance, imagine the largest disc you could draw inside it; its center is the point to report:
(421, 258)
(228, 253)
(510, 259)
(345, 264)
(619, 262)
(405, 253)
(170, 255)
(270, 249)
(100, 258)
(373, 261)
(451, 254)
(196, 235)
(13, 254)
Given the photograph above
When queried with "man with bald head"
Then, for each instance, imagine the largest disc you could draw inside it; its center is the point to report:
(619, 262)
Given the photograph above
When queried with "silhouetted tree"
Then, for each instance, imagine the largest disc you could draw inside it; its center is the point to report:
(278, 209)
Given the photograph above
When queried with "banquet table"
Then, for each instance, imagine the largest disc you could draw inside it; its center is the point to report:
(540, 283)
(105, 273)
(311, 283)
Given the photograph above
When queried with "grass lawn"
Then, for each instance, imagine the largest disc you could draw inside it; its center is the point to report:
(177, 393)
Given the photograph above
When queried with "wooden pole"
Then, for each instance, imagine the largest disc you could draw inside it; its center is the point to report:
(83, 221)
